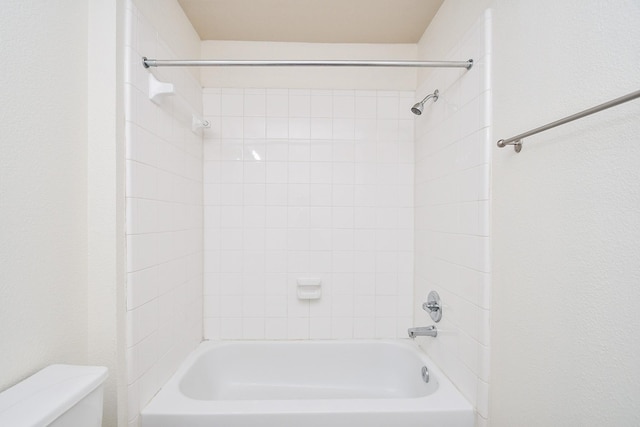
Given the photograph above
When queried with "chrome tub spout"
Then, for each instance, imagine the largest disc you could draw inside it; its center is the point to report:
(423, 331)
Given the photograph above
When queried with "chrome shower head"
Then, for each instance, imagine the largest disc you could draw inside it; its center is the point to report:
(418, 107)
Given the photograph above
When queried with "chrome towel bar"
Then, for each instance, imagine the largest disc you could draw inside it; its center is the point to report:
(516, 141)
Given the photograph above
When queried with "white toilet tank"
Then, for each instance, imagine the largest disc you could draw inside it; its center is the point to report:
(57, 396)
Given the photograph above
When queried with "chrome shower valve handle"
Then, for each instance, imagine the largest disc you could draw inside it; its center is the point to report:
(433, 306)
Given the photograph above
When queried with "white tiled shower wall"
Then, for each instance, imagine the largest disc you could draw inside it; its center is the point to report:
(453, 140)
(164, 214)
(308, 183)
(304, 183)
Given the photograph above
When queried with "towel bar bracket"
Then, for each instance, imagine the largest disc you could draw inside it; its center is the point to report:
(517, 145)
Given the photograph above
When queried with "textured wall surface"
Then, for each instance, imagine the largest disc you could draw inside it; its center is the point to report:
(43, 202)
(566, 216)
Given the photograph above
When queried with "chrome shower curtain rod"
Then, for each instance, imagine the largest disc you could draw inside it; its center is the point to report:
(302, 63)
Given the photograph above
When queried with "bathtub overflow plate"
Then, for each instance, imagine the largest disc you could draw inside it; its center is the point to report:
(425, 374)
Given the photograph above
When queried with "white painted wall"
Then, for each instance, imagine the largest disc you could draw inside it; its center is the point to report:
(105, 199)
(164, 224)
(59, 283)
(566, 216)
(43, 201)
(349, 78)
(452, 195)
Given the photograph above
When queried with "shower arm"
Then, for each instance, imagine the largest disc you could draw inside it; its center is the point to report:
(433, 95)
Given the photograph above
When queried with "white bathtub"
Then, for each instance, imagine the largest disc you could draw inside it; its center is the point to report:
(307, 384)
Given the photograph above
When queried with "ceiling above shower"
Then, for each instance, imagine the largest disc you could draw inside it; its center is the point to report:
(312, 21)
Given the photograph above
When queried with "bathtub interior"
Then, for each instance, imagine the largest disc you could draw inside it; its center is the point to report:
(306, 370)
(342, 383)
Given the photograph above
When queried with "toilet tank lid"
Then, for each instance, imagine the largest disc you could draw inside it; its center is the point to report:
(49, 393)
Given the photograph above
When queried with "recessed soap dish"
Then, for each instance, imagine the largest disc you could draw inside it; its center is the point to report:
(309, 288)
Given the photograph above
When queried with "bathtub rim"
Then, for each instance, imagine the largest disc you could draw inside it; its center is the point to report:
(171, 401)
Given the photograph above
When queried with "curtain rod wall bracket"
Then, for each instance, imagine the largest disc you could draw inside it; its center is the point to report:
(517, 145)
